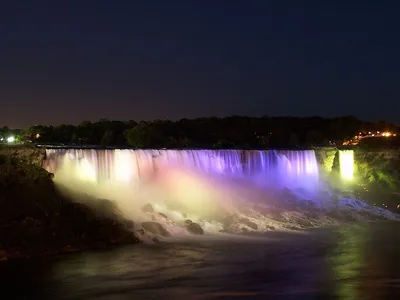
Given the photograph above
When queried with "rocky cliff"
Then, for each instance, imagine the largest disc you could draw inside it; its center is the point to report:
(28, 154)
(36, 219)
(378, 166)
(376, 174)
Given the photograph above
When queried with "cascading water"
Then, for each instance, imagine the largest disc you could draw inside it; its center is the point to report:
(292, 169)
(189, 180)
(205, 186)
(346, 162)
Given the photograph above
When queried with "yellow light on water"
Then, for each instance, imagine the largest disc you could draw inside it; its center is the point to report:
(346, 160)
(86, 171)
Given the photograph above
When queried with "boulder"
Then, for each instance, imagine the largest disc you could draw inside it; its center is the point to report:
(249, 223)
(155, 228)
(148, 208)
(270, 227)
(194, 228)
(129, 224)
(163, 215)
(228, 221)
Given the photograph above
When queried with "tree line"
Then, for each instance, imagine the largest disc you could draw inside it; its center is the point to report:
(230, 132)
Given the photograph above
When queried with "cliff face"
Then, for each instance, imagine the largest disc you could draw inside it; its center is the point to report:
(27, 154)
(380, 168)
(376, 175)
(326, 158)
(36, 219)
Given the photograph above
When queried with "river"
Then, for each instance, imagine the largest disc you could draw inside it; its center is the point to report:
(353, 262)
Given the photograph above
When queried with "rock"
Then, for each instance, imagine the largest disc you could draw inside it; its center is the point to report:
(311, 204)
(291, 227)
(148, 208)
(275, 215)
(304, 223)
(194, 228)
(76, 210)
(107, 209)
(229, 220)
(36, 219)
(188, 222)
(348, 216)
(313, 215)
(156, 228)
(129, 224)
(335, 199)
(270, 227)
(163, 215)
(244, 229)
(248, 223)
(334, 214)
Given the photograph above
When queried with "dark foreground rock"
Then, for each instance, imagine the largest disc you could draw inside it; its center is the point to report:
(194, 228)
(36, 220)
(155, 228)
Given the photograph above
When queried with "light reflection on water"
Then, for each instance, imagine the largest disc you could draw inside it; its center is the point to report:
(358, 262)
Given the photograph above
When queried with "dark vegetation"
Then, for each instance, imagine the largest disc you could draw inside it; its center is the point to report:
(229, 132)
(35, 219)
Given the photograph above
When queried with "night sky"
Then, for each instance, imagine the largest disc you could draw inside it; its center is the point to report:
(66, 61)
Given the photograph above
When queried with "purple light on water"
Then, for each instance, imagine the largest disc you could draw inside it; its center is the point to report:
(292, 169)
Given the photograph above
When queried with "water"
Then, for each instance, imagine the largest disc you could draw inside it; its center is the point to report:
(204, 186)
(346, 159)
(357, 262)
(284, 168)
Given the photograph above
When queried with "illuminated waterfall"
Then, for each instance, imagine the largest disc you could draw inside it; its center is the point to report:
(346, 161)
(297, 169)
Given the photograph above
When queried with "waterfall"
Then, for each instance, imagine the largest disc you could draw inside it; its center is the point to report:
(346, 162)
(283, 168)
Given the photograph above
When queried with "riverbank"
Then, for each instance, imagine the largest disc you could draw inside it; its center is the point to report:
(37, 220)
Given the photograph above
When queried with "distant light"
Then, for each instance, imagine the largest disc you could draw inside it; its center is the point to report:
(11, 139)
(387, 134)
(377, 132)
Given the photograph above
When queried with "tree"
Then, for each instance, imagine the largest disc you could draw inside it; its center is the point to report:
(138, 135)
(108, 138)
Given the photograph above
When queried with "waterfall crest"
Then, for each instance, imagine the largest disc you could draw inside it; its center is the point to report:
(270, 167)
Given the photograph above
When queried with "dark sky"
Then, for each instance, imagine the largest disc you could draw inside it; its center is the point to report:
(66, 61)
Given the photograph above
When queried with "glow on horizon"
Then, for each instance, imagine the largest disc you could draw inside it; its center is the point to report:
(346, 160)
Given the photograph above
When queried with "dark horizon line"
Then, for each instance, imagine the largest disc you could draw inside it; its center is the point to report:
(210, 117)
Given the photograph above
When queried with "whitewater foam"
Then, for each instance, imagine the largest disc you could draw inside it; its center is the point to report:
(205, 186)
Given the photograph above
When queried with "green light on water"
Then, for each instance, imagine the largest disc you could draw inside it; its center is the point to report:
(346, 159)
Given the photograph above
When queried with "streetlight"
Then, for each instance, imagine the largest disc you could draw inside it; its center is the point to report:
(10, 139)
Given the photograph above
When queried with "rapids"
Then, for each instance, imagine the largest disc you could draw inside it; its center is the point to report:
(253, 190)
